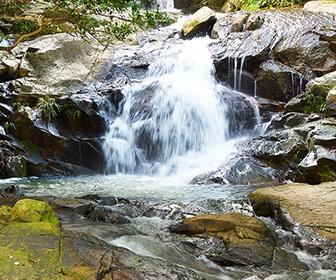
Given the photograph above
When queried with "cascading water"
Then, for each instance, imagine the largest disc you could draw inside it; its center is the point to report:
(175, 117)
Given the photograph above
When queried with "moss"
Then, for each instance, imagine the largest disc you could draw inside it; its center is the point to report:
(30, 210)
(314, 104)
(252, 5)
(29, 250)
(25, 26)
(5, 213)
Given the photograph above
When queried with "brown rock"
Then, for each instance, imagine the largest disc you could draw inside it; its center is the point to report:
(313, 206)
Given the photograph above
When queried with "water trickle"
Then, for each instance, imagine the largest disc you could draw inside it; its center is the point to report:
(255, 88)
(178, 113)
(241, 72)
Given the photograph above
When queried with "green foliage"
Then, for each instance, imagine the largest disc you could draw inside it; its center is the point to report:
(21, 106)
(116, 18)
(71, 111)
(104, 20)
(24, 26)
(252, 5)
(314, 104)
(48, 108)
(12, 8)
(9, 126)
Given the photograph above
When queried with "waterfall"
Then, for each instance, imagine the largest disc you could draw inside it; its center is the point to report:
(165, 4)
(177, 111)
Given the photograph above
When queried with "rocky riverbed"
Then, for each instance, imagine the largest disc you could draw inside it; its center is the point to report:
(227, 211)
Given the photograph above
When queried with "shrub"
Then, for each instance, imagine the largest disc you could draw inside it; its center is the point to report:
(48, 108)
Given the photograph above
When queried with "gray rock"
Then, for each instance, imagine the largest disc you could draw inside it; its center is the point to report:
(322, 85)
(331, 102)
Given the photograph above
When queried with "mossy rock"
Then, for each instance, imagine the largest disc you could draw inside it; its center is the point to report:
(36, 250)
(5, 213)
(30, 210)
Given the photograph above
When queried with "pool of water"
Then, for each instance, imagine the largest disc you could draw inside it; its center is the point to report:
(127, 186)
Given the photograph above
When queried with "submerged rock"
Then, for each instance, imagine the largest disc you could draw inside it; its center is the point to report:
(311, 205)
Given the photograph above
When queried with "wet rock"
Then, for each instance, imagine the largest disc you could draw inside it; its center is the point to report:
(239, 22)
(297, 104)
(247, 239)
(320, 7)
(199, 24)
(13, 161)
(279, 147)
(107, 214)
(241, 170)
(310, 205)
(277, 81)
(318, 166)
(290, 120)
(288, 260)
(289, 38)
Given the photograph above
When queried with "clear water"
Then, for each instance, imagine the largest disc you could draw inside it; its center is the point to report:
(127, 186)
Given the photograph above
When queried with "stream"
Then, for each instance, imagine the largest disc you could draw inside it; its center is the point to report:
(175, 123)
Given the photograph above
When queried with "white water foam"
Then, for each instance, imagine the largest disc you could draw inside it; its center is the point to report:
(174, 123)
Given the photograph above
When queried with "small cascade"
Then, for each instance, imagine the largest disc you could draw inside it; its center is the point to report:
(178, 113)
(297, 84)
(235, 72)
(165, 4)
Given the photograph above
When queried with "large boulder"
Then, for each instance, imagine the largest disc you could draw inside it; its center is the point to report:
(199, 24)
(236, 239)
(322, 85)
(30, 210)
(310, 205)
(61, 61)
(320, 7)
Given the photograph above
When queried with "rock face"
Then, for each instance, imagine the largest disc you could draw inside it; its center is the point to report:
(297, 147)
(199, 24)
(311, 205)
(294, 40)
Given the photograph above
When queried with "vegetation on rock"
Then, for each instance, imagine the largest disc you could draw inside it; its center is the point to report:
(252, 5)
(104, 20)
